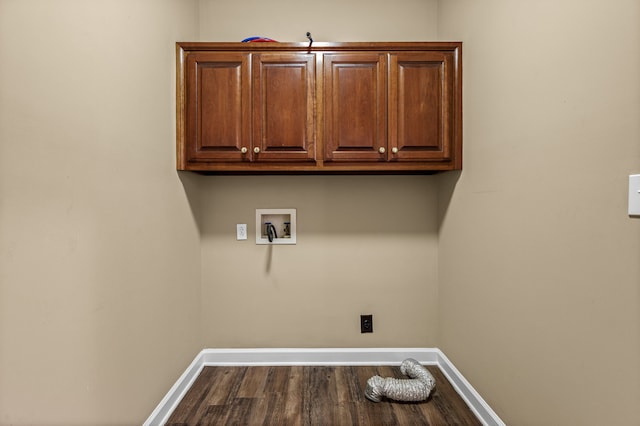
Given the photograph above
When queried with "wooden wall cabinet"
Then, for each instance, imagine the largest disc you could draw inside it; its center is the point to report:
(334, 107)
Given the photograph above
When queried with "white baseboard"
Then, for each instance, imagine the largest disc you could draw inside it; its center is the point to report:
(321, 356)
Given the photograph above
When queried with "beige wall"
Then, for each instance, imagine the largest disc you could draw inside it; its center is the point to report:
(366, 244)
(99, 251)
(539, 263)
(331, 20)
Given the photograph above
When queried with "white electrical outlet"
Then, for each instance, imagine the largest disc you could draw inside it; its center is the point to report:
(241, 231)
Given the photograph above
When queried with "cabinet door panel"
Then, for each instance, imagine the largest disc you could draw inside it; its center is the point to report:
(421, 90)
(355, 107)
(283, 102)
(218, 106)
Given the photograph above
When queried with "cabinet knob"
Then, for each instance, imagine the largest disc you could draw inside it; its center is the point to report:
(394, 150)
(244, 150)
(381, 150)
(256, 150)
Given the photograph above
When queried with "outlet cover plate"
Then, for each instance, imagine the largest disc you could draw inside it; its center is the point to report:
(241, 231)
(366, 323)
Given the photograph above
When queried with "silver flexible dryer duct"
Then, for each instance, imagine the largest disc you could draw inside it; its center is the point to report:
(417, 388)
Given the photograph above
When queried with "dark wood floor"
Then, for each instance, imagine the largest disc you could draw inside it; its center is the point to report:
(310, 395)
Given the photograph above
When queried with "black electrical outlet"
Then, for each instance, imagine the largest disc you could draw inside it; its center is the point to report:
(366, 323)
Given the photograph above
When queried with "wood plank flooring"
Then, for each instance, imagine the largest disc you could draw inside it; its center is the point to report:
(311, 395)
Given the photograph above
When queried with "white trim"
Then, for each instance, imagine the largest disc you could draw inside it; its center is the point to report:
(322, 356)
(161, 414)
(478, 405)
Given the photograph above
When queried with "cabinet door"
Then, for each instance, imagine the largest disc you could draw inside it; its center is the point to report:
(218, 108)
(355, 107)
(422, 106)
(283, 107)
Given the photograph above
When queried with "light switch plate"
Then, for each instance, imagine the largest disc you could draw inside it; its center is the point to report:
(634, 195)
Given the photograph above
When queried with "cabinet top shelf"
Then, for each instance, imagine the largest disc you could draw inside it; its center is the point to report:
(319, 46)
